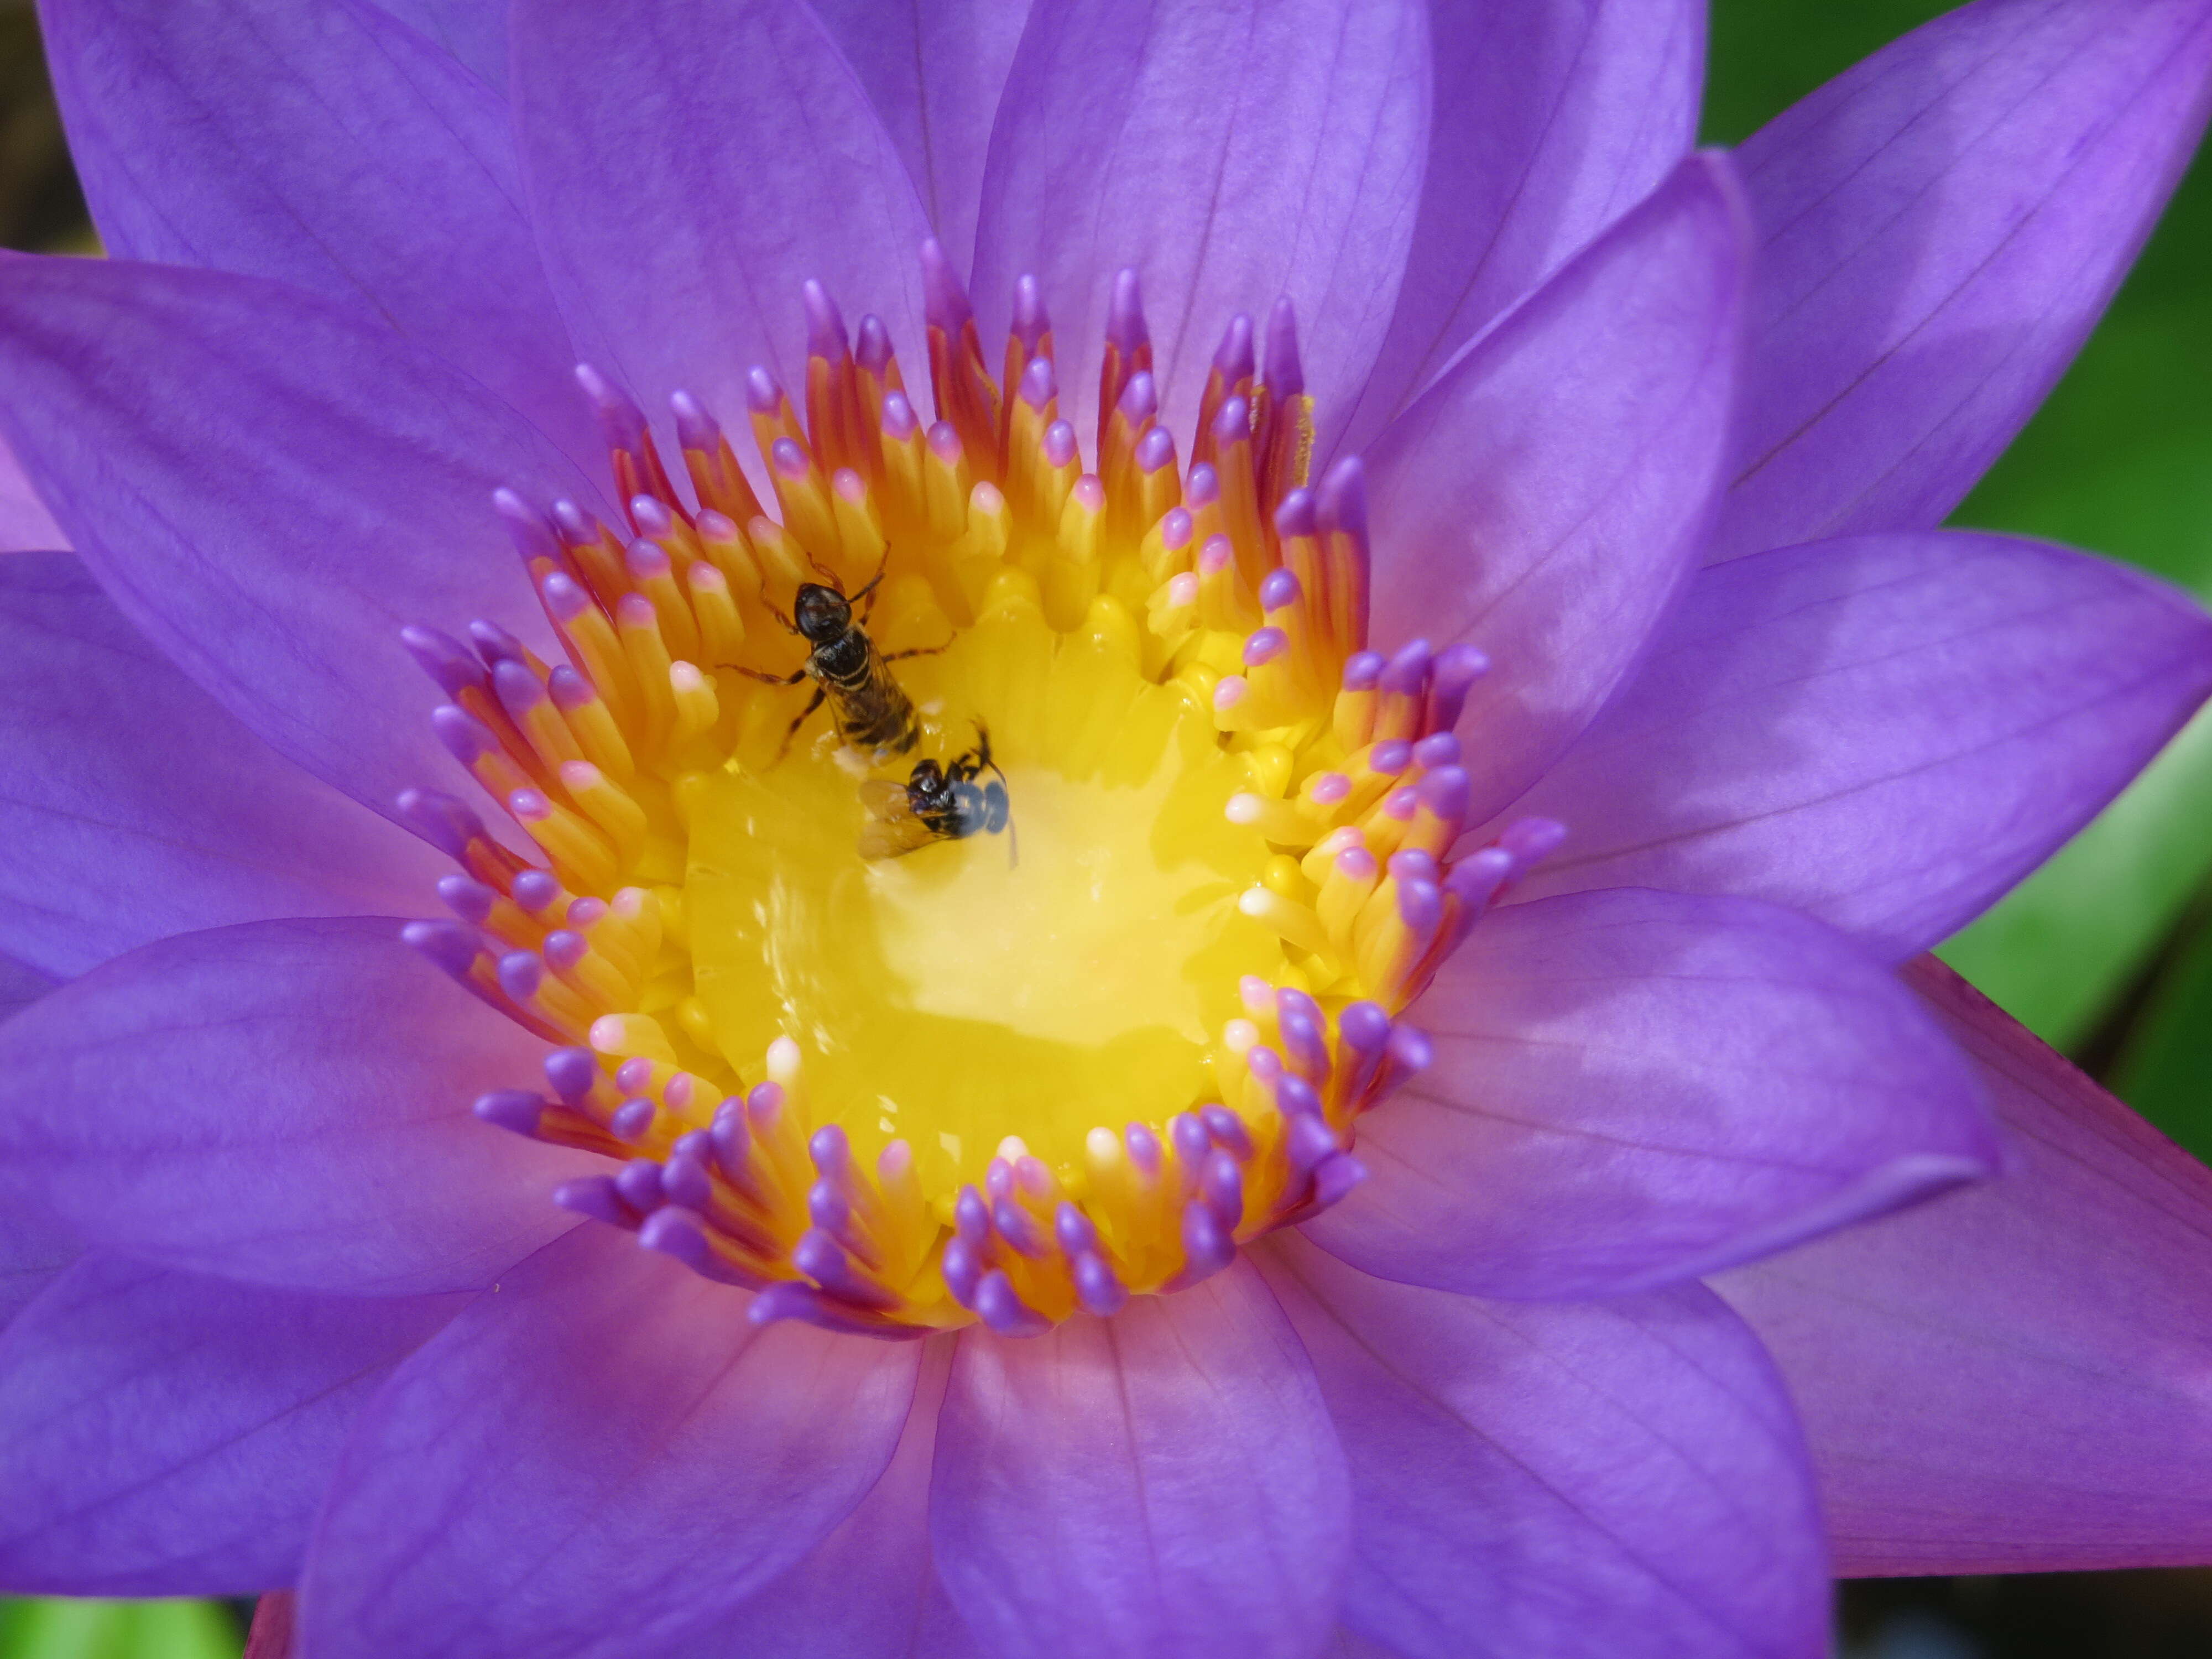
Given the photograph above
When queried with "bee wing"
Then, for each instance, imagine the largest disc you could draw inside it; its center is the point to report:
(890, 838)
(885, 799)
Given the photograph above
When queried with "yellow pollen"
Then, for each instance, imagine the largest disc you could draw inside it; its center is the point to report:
(1055, 956)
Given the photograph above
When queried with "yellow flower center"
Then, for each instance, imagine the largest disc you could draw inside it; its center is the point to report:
(982, 888)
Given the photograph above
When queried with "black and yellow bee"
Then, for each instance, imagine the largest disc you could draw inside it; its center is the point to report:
(937, 803)
(873, 713)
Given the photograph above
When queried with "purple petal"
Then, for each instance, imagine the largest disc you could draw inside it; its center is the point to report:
(1632, 1087)
(133, 806)
(934, 69)
(690, 165)
(1941, 227)
(472, 31)
(24, 521)
(1546, 498)
(1163, 1482)
(1230, 153)
(34, 1253)
(285, 1103)
(1591, 1480)
(868, 1590)
(601, 1460)
(327, 146)
(1886, 731)
(269, 487)
(1553, 118)
(2019, 1378)
(166, 1435)
(22, 985)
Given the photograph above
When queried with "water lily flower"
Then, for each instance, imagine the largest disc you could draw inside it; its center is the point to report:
(1403, 1112)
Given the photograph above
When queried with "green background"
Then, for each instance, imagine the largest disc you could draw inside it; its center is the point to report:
(2105, 951)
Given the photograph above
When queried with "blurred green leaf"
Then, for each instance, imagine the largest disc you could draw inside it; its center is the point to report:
(58, 1629)
(2166, 1071)
(1764, 55)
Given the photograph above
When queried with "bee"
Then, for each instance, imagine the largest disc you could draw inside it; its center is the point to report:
(874, 713)
(937, 803)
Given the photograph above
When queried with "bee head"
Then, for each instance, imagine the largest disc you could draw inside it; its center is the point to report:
(822, 613)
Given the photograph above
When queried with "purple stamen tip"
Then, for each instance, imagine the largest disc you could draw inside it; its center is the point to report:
(521, 974)
(1459, 666)
(971, 1216)
(527, 527)
(623, 421)
(827, 1208)
(1295, 517)
(1410, 1048)
(536, 889)
(464, 736)
(1363, 671)
(1140, 398)
(1312, 1141)
(1222, 1184)
(1285, 379)
(1343, 498)
(963, 1269)
(1411, 864)
(445, 823)
(1445, 792)
(570, 691)
(1018, 1228)
(518, 687)
(944, 298)
(1155, 450)
(633, 1119)
(639, 1183)
(1203, 486)
(943, 442)
(1475, 879)
(1074, 1229)
(899, 418)
(634, 1075)
(1336, 1177)
(1175, 528)
(871, 346)
(1233, 357)
(763, 393)
(1295, 1097)
(571, 1073)
(695, 428)
(1060, 446)
(1187, 1132)
(1408, 673)
(686, 1178)
(1364, 1026)
(443, 658)
(1233, 423)
(1532, 840)
(1438, 748)
(1264, 644)
(646, 560)
(999, 1306)
(1205, 1243)
(1097, 1286)
(1039, 385)
(1125, 312)
(510, 1108)
(1391, 758)
(453, 946)
(494, 642)
(1227, 1130)
(825, 324)
(578, 528)
(831, 1152)
(787, 458)
(1277, 589)
(564, 949)
(595, 1197)
(472, 901)
(564, 596)
(651, 515)
(1030, 324)
(1143, 1148)
(1420, 905)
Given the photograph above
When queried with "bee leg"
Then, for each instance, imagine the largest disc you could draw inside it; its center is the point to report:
(868, 592)
(919, 651)
(803, 715)
(792, 678)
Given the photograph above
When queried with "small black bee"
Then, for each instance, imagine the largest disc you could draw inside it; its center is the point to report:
(874, 713)
(937, 803)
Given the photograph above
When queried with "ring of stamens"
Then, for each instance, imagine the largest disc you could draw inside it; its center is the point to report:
(1227, 798)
